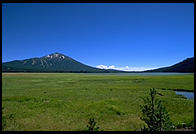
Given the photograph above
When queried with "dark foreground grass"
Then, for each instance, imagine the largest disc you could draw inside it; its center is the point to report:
(60, 101)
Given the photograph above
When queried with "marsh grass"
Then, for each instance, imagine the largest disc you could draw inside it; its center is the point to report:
(66, 101)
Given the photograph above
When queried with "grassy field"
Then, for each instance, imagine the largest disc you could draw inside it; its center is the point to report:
(52, 101)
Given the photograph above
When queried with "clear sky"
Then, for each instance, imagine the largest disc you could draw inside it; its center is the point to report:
(130, 36)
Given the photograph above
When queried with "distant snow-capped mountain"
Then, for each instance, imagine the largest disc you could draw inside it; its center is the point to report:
(54, 62)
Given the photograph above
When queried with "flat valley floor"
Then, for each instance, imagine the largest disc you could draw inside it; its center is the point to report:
(66, 101)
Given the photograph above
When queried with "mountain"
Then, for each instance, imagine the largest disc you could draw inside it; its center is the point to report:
(186, 66)
(54, 62)
(57, 62)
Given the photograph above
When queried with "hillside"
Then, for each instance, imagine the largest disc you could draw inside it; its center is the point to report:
(186, 66)
(55, 62)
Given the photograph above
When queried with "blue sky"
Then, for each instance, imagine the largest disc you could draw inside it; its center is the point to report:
(130, 36)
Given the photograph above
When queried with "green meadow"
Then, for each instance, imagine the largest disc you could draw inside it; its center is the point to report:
(66, 101)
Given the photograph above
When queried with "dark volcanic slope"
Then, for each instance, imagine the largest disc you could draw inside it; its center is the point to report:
(186, 66)
(55, 62)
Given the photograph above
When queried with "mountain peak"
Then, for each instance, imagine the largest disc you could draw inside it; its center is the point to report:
(56, 55)
(55, 62)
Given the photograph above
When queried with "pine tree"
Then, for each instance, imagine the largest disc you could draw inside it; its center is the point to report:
(154, 114)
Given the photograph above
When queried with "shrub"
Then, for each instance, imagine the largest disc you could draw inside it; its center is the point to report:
(154, 114)
(7, 119)
(4, 123)
(92, 125)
